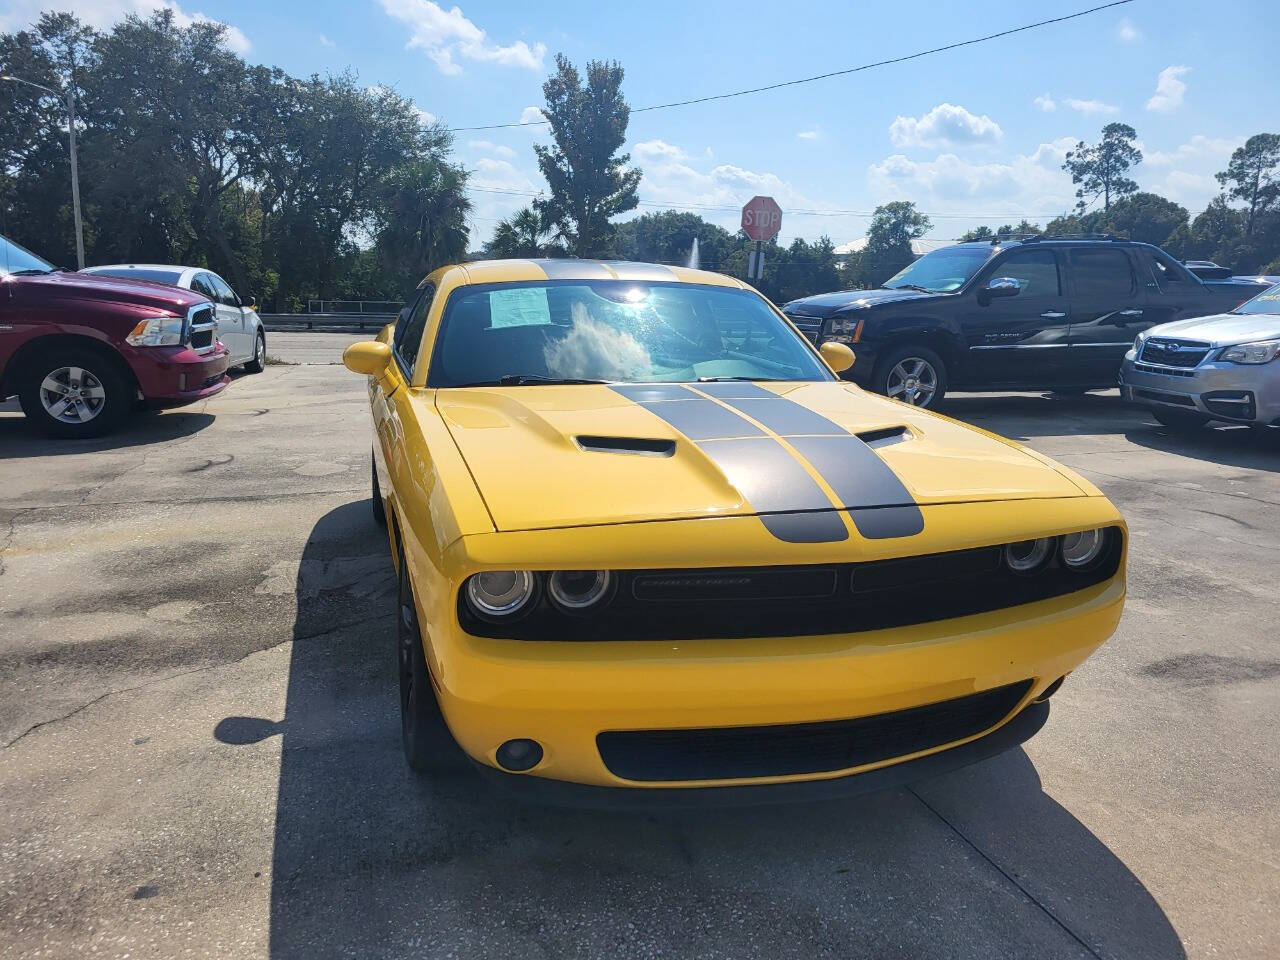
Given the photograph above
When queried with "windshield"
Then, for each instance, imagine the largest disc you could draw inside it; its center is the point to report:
(614, 331)
(1266, 302)
(941, 271)
(16, 259)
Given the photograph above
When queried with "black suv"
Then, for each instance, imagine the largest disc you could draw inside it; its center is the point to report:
(1028, 314)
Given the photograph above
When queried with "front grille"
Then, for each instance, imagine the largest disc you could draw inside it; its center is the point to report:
(203, 329)
(200, 339)
(821, 599)
(212, 381)
(811, 327)
(1173, 353)
(803, 748)
(1163, 371)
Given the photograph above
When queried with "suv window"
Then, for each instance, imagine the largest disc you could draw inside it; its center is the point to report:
(1035, 270)
(1162, 266)
(222, 291)
(408, 335)
(1100, 272)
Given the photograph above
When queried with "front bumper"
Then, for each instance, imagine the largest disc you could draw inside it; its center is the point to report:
(1231, 392)
(173, 376)
(565, 694)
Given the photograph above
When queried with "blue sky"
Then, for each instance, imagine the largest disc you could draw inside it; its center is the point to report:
(972, 136)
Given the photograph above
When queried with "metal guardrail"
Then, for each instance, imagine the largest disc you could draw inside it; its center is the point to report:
(374, 307)
(327, 322)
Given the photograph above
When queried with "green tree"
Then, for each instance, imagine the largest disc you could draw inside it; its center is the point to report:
(1099, 170)
(1254, 175)
(421, 212)
(1145, 217)
(589, 179)
(667, 237)
(522, 234)
(888, 249)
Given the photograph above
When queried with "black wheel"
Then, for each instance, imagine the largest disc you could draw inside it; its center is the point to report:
(1180, 419)
(379, 505)
(259, 361)
(914, 375)
(428, 745)
(75, 393)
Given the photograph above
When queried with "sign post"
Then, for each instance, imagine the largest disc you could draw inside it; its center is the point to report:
(761, 221)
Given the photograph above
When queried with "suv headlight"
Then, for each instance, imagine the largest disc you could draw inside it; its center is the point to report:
(844, 330)
(163, 331)
(1261, 351)
(1137, 343)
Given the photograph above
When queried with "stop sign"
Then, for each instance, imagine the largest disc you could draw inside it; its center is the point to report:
(761, 218)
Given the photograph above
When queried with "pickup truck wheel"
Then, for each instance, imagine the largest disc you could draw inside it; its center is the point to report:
(914, 375)
(1180, 419)
(259, 361)
(429, 747)
(379, 505)
(74, 393)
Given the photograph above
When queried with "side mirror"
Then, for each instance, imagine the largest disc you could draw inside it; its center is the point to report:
(249, 302)
(998, 287)
(369, 357)
(839, 357)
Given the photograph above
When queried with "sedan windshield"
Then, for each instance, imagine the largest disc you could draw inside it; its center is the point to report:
(941, 271)
(15, 260)
(171, 277)
(579, 331)
(1266, 302)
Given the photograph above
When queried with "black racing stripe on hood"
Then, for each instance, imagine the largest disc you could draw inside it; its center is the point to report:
(701, 419)
(861, 480)
(884, 523)
(646, 392)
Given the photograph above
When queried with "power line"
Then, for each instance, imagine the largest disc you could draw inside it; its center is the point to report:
(826, 76)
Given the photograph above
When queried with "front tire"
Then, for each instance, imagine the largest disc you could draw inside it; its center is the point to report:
(1180, 420)
(914, 375)
(259, 361)
(429, 747)
(75, 393)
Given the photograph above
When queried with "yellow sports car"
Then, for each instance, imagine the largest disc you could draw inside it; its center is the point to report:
(650, 546)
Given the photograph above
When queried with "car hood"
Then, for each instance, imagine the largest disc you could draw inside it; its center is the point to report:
(1222, 329)
(561, 456)
(828, 304)
(84, 286)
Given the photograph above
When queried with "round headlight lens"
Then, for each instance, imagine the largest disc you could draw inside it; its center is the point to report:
(576, 590)
(1079, 550)
(1027, 556)
(496, 594)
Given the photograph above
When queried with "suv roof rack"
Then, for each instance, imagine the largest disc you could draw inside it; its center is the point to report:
(1073, 236)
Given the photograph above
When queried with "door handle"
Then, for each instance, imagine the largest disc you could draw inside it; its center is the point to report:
(1053, 315)
(1130, 313)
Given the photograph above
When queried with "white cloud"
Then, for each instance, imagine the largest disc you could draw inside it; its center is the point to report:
(20, 14)
(657, 150)
(446, 35)
(325, 41)
(488, 146)
(1090, 106)
(1169, 90)
(807, 135)
(1198, 150)
(426, 116)
(1029, 185)
(1126, 32)
(944, 125)
(1045, 103)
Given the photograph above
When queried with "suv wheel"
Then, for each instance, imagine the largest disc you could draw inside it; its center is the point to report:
(914, 375)
(74, 393)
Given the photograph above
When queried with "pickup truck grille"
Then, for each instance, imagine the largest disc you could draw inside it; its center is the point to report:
(811, 327)
(1173, 353)
(202, 325)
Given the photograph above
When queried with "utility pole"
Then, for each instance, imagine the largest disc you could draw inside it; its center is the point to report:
(69, 101)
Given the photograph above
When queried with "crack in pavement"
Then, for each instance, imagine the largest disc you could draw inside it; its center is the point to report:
(186, 673)
(12, 532)
(1004, 873)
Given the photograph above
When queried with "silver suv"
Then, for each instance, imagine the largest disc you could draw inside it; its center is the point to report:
(1220, 367)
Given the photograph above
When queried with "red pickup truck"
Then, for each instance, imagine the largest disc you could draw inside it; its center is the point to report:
(81, 351)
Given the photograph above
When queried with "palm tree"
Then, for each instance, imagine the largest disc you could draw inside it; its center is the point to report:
(520, 235)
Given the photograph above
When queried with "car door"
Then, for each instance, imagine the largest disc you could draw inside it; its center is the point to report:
(1018, 339)
(388, 395)
(231, 318)
(1170, 290)
(1107, 311)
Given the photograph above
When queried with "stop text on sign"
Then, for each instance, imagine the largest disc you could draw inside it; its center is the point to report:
(761, 218)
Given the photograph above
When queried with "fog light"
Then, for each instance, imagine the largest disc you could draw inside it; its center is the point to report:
(1080, 550)
(577, 590)
(500, 594)
(519, 755)
(1027, 556)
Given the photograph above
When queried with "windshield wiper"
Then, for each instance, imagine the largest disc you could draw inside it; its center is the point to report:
(30, 272)
(909, 286)
(737, 379)
(523, 379)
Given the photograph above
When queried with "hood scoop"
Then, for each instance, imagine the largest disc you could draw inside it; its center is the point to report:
(636, 446)
(885, 436)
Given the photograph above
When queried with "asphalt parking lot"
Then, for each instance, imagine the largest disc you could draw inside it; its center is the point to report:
(201, 750)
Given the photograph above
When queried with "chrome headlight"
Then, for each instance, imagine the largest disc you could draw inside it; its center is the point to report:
(162, 331)
(1028, 556)
(1080, 550)
(1138, 341)
(575, 591)
(1260, 351)
(844, 329)
(500, 594)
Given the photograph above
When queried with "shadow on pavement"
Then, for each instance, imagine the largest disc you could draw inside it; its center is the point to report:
(19, 439)
(371, 861)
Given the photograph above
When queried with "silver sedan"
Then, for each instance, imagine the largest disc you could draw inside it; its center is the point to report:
(1221, 367)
